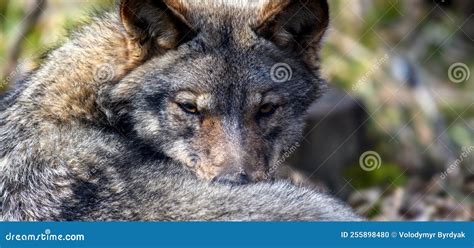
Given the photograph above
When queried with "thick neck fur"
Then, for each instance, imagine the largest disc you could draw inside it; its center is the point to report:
(64, 88)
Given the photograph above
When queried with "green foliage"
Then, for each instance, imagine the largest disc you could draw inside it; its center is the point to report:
(387, 176)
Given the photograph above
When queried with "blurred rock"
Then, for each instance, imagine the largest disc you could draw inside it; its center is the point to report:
(334, 138)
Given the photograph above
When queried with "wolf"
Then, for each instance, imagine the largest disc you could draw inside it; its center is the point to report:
(168, 110)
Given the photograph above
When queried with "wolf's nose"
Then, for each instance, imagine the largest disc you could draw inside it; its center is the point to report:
(239, 178)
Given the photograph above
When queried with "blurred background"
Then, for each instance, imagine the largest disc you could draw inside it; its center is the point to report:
(394, 134)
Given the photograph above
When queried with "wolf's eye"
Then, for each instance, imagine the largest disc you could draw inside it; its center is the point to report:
(189, 107)
(267, 109)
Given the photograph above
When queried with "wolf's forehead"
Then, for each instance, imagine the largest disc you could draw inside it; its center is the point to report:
(226, 70)
(222, 22)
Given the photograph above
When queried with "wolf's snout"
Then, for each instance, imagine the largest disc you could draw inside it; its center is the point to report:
(235, 178)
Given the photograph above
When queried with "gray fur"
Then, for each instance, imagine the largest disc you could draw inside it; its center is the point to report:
(77, 148)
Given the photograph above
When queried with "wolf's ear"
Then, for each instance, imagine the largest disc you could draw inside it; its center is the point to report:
(298, 25)
(162, 21)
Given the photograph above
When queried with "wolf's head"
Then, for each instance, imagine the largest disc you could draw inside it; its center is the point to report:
(227, 88)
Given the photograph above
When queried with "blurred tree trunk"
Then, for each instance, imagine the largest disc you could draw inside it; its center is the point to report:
(25, 27)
